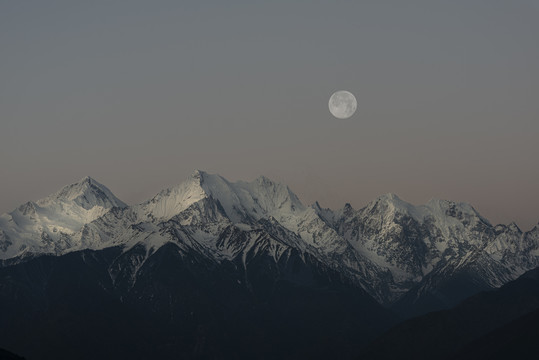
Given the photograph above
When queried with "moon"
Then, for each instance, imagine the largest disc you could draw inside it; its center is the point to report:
(342, 104)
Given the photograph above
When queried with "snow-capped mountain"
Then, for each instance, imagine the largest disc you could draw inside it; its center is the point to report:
(442, 249)
(390, 248)
(48, 225)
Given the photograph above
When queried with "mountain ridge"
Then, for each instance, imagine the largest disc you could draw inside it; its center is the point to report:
(396, 251)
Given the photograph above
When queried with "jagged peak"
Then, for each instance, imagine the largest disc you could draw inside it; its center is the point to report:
(448, 207)
(514, 227)
(263, 179)
(443, 203)
(391, 201)
(173, 200)
(436, 208)
(316, 206)
(198, 175)
(240, 199)
(87, 179)
(511, 227)
(437, 201)
(212, 180)
(388, 197)
(433, 203)
(28, 208)
(325, 214)
(348, 210)
(205, 179)
(87, 192)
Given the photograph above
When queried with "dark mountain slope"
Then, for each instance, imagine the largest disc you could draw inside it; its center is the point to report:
(177, 303)
(516, 340)
(441, 334)
(443, 288)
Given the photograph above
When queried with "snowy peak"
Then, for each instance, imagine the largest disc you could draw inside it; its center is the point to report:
(391, 202)
(28, 209)
(86, 193)
(390, 206)
(243, 202)
(247, 201)
(172, 201)
(458, 210)
(272, 196)
(45, 226)
(511, 228)
(325, 214)
(514, 228)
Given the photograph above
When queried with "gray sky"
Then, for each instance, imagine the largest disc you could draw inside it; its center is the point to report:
(139, 94)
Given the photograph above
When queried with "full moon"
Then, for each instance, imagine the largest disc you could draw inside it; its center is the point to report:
(342, 104)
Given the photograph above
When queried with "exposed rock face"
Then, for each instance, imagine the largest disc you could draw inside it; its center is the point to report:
(416, 257)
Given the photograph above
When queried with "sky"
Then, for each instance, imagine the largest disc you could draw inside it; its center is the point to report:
(139, 94)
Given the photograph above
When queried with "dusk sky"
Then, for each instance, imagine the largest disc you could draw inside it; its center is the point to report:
(139, 94)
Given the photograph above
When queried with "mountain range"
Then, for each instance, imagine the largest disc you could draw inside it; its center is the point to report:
(209, 252)
(399, 253)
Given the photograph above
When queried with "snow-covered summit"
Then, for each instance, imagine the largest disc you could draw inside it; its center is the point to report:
(391, 205)
(86, 193)
(242, 201)
(170, 202)
(45, 226)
